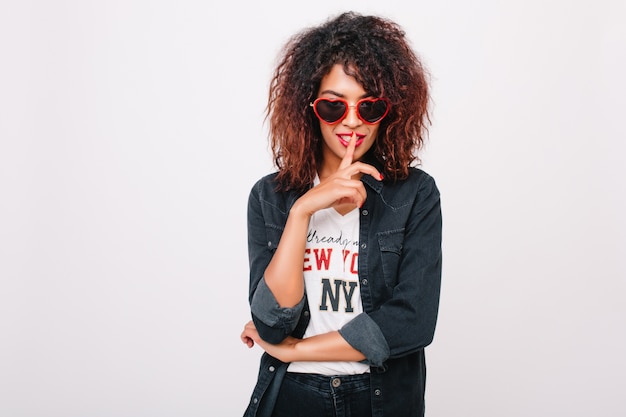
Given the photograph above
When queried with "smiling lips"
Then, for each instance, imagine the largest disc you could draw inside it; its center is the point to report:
(344, 138)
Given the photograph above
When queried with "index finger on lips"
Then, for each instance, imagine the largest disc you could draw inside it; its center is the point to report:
(347, 158)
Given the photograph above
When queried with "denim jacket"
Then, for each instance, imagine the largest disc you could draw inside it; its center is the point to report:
(399, 269)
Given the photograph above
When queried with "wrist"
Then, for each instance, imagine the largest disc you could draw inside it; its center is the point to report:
(299, 211)
(296, 353)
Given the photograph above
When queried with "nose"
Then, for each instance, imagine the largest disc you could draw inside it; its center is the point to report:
(351, 119)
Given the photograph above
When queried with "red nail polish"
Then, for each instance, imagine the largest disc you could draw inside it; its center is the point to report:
(381, 177)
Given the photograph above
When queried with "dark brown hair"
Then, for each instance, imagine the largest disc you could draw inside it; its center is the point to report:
(375, 51)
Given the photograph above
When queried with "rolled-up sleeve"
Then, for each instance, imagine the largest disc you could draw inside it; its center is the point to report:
(273, 322)
(363, 334)
(265, 224)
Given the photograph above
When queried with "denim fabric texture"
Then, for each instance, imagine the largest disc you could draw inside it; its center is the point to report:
(399, 268)
(309, 395)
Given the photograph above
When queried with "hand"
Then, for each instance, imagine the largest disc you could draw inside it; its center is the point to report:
(343, 188)
(283, 351)
(249, 334)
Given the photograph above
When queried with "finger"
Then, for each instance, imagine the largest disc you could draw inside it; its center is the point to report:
(348, 157)
(361, 195)
(247, 340)
(360, 167)
(351, 191)
(248, 334)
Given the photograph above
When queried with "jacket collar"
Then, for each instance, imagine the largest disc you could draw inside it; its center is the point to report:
(375, 185)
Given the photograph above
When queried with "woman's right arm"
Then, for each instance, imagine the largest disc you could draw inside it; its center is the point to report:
(277, 281)
(266, 223)
(276, 255)
(283, 276)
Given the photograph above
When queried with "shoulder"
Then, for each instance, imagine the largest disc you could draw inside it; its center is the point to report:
(418, 185)
(423, 181)
(265, 183)
(419, 176)
(265, 192)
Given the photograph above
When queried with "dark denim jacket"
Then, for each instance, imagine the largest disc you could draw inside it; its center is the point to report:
(400, 276)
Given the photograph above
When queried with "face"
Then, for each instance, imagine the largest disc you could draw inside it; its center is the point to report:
(337, 84)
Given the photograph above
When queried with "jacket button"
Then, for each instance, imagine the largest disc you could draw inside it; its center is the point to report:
(364, 245)
(306, 313)
(269, 244)
(364, 282)
(272, 369)
(377, 392)
(365, 212)
(255, 400)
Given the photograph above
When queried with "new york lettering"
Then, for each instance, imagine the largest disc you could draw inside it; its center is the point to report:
(322, 257)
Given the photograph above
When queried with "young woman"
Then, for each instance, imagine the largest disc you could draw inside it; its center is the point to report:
(344, 239)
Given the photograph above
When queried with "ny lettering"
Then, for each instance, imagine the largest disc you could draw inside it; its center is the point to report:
(328, 293)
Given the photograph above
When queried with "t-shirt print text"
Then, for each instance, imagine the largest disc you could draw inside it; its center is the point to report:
(321, 259)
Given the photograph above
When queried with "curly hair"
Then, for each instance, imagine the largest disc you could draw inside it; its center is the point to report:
(375, 51)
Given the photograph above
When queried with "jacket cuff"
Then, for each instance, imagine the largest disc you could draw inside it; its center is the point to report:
(265, 307)
(363, 334)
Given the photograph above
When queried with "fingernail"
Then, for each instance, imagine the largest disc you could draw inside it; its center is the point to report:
(382, 177)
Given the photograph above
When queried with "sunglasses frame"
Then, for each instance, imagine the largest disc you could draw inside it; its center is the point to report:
(348, 107)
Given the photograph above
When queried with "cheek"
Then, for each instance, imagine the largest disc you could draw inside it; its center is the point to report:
(328, 132)
(373, 135)
(374, 131)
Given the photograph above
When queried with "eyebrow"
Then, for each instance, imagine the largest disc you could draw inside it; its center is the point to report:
(366, 94)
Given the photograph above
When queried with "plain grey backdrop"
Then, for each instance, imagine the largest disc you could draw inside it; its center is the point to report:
(131, 132)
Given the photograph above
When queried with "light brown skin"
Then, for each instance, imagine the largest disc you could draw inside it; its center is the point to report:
(340, 188)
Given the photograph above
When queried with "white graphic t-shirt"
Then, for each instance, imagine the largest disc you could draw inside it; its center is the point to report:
(332, 283)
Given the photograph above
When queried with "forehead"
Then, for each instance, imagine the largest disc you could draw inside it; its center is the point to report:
(338, 83)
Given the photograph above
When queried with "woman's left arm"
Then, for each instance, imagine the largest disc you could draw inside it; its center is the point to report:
(405, 323)
(324, 347)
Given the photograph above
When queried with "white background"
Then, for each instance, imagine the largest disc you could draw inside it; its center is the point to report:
(131, 132)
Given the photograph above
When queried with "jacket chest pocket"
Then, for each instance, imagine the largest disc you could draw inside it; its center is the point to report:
(390, 245)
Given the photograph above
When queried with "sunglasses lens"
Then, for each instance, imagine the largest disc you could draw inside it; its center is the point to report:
(330, 111)
(369, 110)
(373, 110)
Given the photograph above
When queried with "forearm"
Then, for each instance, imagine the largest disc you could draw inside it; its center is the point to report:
(326, 347)
(283, 274)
